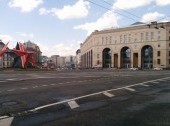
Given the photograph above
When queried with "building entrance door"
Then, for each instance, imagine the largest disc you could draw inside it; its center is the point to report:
(116, 60)
(135, 59)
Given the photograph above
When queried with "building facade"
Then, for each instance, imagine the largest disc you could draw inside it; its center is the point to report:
(34, 47)
(78, 59)
(7, 59)
(139, 45)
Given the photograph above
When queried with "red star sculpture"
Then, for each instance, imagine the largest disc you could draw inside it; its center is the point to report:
(25, 55)
(4, 48)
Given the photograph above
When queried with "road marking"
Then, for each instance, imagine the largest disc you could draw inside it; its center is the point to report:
(129, 89)
(6, 121)
(52, 84)
(24, 88)
(144, 85)
(97, 93)
(67, 82)
(11, 79)
(162, 80)
(3, 81)
(108, 94)
(73, 104)
(35, 87)
(44, 85)
(11, 90)
(155, 82)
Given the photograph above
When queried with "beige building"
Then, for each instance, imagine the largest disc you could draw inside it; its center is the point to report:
(139, 45)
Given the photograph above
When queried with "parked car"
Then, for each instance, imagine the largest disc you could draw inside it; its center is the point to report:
(134, 68)
(158, 68)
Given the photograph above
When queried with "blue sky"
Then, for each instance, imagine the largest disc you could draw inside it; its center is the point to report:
(59, 26)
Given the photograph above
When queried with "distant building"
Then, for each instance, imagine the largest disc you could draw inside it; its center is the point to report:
(54, 59)
(7, 59)
(34, 47)
(70, 61)
(78, 59)
(61, 62)
(44, 61)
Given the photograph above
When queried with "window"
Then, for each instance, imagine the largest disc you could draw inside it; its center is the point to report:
(125, 39)
(142, 37)
(158, 45)
(147, 35)
(158, 61)
(152, 36)
(97, 55)
(169, 37)
(169, 53)
(159, 37)
(110, 39)
(106, 40)
(120, 38)
(169, 61)
(159, 32)
(102, 40)
(158, 53)
(129, 38)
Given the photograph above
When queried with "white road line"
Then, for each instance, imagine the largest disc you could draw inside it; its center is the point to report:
(52, 84)
(84, 96)
(108, 94)
(44, 85)
(6, 121)
(155, 82)
(35, 87)
(67, 82)
(73, 104)
(144, 85)
(3, 81)
(11, 90)
(129, 89)
(24, 88)
(11, 79)
(162, 80)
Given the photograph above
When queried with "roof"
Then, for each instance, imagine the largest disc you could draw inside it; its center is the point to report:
(138, 23)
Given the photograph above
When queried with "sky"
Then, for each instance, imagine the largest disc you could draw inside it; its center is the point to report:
(59, 26)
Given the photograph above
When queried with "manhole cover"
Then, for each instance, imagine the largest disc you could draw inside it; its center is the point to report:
(9, 103)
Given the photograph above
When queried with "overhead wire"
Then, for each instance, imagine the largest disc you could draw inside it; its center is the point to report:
(122, 9)
(110, 9)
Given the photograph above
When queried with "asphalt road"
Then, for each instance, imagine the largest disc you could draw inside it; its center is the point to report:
(36, 98)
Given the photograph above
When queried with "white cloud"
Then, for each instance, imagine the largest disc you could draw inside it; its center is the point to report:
(30, 35)
(78, 10)
(108, 20)
(130, 4)
(25, 5)
(149, 17)
(60, 49)
(8, 38)
(5, 37)
(43, 11)
(162, 2)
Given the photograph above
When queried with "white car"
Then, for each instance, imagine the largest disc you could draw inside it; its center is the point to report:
(157, 68)
(134, 68)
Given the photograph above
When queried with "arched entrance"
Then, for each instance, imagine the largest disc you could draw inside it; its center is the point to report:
(147, 57)
(125, 57)
(106, 58)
